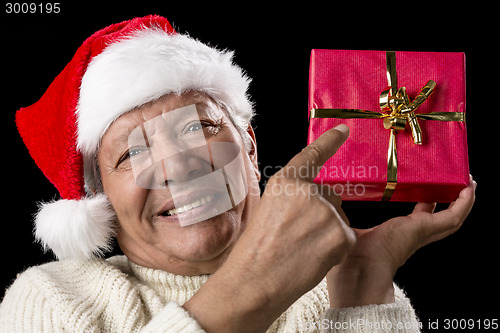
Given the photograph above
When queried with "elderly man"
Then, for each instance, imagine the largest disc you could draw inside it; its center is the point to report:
(146, 134)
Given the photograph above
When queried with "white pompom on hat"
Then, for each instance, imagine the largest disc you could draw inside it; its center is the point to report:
(115, 70)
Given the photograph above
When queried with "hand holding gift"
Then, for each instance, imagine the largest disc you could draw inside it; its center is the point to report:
(366, 275)
(384, 159)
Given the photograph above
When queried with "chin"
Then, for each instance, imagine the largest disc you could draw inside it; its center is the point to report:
(209, 239)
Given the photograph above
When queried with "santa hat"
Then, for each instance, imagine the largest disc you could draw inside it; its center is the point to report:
(115, 70)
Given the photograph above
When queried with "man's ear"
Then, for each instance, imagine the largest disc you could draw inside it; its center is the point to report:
(252, 153)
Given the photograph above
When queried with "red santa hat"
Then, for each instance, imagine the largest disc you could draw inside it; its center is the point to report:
(115, 70)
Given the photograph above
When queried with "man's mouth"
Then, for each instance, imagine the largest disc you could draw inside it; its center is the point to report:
(189, 206)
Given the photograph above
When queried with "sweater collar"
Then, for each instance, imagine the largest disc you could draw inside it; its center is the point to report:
(169, 286)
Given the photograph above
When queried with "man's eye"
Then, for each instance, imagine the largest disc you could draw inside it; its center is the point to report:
(131, 154)
(135, 151)
(194, 127)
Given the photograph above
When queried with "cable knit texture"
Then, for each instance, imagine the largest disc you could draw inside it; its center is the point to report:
(116, 295)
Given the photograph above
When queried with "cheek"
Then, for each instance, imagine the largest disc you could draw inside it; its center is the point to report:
(125, 196)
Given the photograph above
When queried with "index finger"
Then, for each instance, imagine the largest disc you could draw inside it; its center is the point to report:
(310, 160)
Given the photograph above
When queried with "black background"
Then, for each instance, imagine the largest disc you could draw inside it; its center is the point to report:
(455, 278)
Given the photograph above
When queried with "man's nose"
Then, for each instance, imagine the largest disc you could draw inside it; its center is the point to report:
(183, 166)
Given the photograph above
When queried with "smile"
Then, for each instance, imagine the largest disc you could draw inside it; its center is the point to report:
(189, 206)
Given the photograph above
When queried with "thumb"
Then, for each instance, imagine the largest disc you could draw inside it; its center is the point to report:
(316, 153)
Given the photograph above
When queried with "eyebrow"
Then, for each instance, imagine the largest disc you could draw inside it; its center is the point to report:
(124, 136)
(122, 139)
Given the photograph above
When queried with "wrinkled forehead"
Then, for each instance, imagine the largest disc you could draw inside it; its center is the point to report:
(170, 110)
(170, 123)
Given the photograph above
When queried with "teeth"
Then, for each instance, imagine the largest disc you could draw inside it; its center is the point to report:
(189, 206)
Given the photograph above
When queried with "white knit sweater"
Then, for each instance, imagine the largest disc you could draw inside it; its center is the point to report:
(116, 295)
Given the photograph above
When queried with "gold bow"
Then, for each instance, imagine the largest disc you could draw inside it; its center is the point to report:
(401, 111)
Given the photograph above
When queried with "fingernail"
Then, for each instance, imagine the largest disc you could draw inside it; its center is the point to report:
(342, 128)
(472, 181)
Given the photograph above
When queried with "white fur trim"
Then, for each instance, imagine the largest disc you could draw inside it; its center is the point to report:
(148, 65)
(76, 228)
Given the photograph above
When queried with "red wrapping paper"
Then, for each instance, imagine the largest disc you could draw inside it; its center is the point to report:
(435, 171)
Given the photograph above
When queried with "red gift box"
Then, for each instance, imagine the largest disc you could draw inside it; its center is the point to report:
(380, 162)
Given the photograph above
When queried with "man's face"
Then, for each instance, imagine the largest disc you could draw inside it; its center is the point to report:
(177, 173)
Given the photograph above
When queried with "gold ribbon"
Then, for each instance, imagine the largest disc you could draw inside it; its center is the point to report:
(397, 102)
